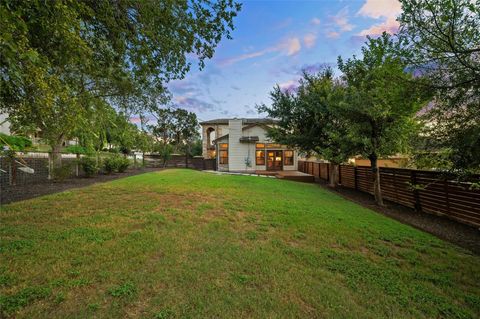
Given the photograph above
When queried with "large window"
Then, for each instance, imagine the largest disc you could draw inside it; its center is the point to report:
(260, 154)
(288, 158)
(260, 157)
(223, 153)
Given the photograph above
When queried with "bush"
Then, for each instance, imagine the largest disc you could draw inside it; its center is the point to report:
(110, 164)
(89, 166)
(116, 163)
(63, 172)
(123, 164)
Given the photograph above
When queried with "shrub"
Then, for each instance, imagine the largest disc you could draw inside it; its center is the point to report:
(116, 163)
(63, 172)
(89, 166)
(110, 164)
(123, 164)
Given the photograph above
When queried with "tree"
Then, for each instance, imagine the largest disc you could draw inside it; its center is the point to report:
(177, 128)
(382, 100)
(116, 52)
(310, 119)
(441, 42)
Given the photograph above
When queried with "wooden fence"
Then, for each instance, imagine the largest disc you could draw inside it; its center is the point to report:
(435, 193)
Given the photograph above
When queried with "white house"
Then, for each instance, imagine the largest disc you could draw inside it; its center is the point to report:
(242, 145)
(4, 124)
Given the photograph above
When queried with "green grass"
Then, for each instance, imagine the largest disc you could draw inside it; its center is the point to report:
(187, 244)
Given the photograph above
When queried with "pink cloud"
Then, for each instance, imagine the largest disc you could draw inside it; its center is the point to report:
(291, 46)
(309, 40)
(288, 47)
(332, 34)
(387, 10)
(315, 21)
(289, 86)
(380, 8)
(390, 25)
(341, 19)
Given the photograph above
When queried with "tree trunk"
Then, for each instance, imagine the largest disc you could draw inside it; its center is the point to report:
(56, 157)
(333, 175)
(377, 191)
(77, 165)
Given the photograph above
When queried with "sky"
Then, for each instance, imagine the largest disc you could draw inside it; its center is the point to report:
(272, 43)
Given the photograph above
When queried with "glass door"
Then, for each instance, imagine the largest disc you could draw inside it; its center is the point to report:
(274, 160)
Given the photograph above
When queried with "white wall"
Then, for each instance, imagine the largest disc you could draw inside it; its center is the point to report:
(4, 125)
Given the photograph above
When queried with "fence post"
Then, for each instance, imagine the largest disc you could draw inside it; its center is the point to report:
(416, 195)
(339, 174)
(77, 164)
(328, 171)
(355, 177)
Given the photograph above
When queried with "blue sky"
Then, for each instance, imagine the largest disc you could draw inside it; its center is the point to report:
(272, 42)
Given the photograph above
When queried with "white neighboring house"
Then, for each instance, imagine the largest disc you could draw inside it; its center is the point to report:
(242, 145)
(36, 137)
(4, 124)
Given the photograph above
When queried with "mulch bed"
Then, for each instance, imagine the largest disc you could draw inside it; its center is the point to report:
(462, 235)
(21, 192)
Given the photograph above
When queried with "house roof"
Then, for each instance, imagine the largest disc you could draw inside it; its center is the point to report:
(245, 121)
(219, 138)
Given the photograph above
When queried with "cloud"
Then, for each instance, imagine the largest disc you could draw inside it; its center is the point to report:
(315, 21)
(194, 104)
(341, 20)
(292, 46)
(249, 110)
(309, 40)
(235, 87)
(289, 86)
(332, 34)
(380, 8)
(288, 47)
(387, 10)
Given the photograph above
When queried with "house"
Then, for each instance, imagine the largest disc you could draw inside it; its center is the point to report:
(242, 145)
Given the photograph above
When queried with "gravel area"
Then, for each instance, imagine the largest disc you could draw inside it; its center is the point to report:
(21, 192)
(442, 227)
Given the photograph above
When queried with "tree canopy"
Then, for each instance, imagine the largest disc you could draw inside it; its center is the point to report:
(441, 42)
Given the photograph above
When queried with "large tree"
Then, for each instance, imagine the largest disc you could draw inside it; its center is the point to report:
(382, 101)
(310, 120)
(441, 41)
(60, 59)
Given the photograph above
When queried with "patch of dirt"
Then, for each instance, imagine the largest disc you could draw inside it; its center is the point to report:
(21, 192)
(452, 231)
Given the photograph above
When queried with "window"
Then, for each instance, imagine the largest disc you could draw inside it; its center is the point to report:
(260, 157)
(288, 158)
(273, 145)
(223, 154)
(260, 145)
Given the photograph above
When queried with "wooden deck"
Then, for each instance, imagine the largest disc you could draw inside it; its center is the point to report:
(289, 175)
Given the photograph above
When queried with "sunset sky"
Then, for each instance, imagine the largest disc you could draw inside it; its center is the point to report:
(272, 42)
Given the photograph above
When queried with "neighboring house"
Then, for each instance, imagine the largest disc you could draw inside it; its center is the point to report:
(4, 124)
(242, 145)
(36, 137)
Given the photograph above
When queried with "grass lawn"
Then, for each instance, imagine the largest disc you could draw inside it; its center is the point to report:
(188, 244)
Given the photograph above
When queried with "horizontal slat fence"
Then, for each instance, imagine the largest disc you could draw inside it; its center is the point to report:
(436, 194)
